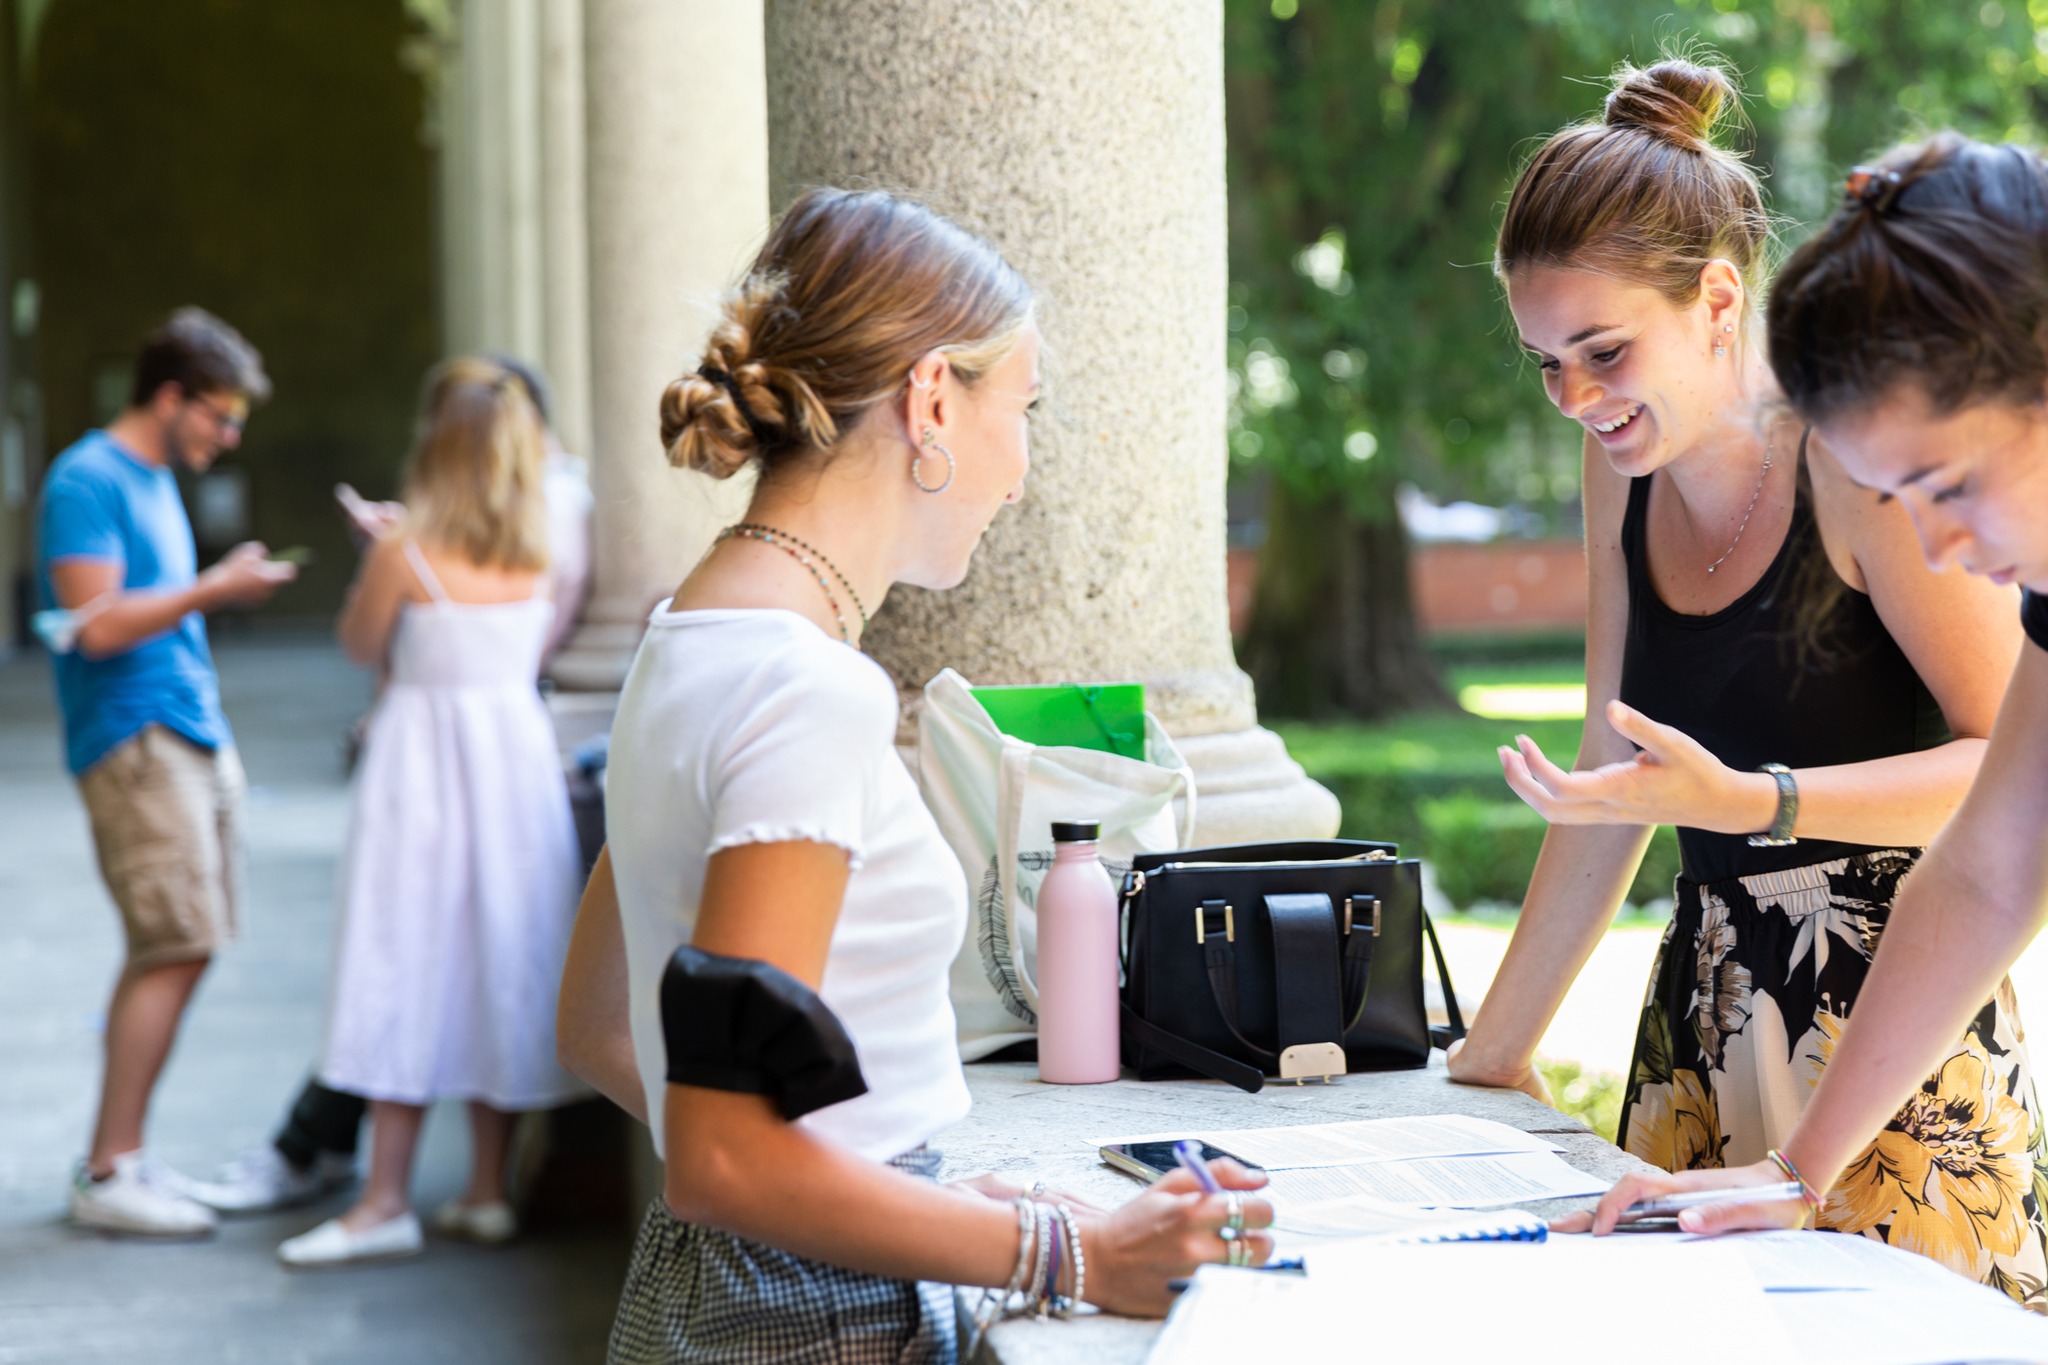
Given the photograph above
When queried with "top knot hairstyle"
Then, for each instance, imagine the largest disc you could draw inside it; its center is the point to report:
(1644, 193)
(851, 288)
(1932, 273)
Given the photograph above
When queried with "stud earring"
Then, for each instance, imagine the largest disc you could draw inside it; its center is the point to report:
(952, 465)
(1720, 346)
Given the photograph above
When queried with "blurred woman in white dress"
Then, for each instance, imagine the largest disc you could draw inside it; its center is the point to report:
(461, 875)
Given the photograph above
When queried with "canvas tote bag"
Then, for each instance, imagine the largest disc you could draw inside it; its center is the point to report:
(995, 798)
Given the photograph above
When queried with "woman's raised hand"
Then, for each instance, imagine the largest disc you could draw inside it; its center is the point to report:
(1165, 1233)
(1672, 781)
(1704, 1218)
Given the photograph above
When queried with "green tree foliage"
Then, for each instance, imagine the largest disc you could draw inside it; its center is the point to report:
(1371, 146)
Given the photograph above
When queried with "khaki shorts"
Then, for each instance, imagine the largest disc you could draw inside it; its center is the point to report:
(167, 823)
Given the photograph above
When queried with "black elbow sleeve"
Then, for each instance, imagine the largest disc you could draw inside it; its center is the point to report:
(734, 1023)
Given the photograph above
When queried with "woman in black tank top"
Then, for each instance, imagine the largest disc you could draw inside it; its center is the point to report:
(1913, 332)
(1749, 606)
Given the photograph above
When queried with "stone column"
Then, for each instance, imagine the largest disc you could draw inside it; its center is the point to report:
(491, 181)
(678, 202)
(508, 99)
(1086, 141)
(565, 236)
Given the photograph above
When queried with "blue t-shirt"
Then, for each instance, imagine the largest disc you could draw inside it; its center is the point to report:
(100, 502)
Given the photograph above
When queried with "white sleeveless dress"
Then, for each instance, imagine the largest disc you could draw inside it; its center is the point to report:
(461, 875)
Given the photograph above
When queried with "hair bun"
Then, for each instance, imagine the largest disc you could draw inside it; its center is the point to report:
(1677, 100)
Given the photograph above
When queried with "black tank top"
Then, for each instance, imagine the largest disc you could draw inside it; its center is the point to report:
(1737, 682)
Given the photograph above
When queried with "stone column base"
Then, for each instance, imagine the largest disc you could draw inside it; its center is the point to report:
(1248, 790)
(597, 655)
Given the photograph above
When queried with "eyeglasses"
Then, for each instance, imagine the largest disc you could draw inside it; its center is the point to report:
(225, 420)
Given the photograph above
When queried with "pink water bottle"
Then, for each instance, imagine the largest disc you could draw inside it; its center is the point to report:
(1077, 962)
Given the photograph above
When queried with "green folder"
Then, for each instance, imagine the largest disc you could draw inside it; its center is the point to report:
(1109, 717)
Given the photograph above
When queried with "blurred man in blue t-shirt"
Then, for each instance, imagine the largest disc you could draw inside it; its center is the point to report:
(143, 729)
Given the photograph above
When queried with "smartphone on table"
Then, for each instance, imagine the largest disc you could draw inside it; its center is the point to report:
(1150, 1160)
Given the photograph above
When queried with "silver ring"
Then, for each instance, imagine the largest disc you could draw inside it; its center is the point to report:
(1235, 1202)
(1227, 1233)
(1240, 1253)
(1038, 1189)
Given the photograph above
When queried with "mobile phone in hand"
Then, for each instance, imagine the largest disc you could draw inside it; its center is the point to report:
(298, 555)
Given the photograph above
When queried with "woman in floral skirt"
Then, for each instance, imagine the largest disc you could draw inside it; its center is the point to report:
(1771, 668)
(1913, 332)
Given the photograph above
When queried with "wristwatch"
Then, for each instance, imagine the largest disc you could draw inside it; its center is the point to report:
(1780, 832)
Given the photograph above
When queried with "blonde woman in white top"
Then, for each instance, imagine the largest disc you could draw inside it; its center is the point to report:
(877, 366)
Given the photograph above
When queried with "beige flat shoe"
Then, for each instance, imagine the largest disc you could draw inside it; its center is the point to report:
(489, 1224)
(332, 1244)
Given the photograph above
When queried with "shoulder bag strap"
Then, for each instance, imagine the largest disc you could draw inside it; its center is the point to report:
(1194, 1056)
(1443, 1036)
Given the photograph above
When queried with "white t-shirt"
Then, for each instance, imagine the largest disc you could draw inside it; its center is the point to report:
(754, 726)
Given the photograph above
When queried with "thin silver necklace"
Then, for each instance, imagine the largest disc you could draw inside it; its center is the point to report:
(1768, 442)
(768, 536)
(761, 529)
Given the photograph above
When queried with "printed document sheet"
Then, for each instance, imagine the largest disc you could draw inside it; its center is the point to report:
(1457, 1182)
(1360, 1140)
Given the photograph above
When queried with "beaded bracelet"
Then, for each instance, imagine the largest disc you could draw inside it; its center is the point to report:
(1784, 1163)
(1042, 1273)
(1073, 1227)
(1050, 1303)
(985, 1312)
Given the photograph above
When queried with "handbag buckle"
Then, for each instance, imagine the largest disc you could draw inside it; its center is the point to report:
(1312, 1061)
(1351, 904)
(1202, 922)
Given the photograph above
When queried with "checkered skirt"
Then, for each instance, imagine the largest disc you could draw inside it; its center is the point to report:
(698, 1294)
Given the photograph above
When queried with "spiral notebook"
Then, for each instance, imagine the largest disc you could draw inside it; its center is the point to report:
(1302, 1229)
(1487, 1227)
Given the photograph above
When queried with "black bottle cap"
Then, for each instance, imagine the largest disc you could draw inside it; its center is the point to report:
(1076, 831)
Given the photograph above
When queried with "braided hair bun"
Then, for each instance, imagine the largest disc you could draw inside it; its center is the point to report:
(850, 290)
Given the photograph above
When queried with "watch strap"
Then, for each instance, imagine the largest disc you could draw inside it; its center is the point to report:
(1780, 833)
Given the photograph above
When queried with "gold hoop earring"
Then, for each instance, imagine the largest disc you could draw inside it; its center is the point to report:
(952, 465)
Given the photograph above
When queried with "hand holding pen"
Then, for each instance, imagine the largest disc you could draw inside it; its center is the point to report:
(1739, 1199)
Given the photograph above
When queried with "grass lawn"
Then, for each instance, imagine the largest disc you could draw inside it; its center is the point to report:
(1431, 781)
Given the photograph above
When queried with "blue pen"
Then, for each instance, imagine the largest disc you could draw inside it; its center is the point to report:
(1188, 1153)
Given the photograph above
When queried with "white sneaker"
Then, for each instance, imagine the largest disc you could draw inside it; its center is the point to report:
(130, 1201)
(332, 1244)
(486, 1223)
(262, 1179)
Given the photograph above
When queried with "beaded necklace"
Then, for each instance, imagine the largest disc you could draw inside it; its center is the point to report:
(789, 545)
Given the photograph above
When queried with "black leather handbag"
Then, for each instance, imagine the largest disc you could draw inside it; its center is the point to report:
(1290, 960)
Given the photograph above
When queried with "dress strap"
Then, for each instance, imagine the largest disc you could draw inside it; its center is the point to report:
(427, 578)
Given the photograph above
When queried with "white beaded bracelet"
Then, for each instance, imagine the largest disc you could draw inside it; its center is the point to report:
(1080, 1259)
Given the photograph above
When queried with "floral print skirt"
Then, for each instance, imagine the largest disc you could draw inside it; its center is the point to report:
(1753, 985)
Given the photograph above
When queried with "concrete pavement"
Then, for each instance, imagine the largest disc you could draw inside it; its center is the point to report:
(67, 1295)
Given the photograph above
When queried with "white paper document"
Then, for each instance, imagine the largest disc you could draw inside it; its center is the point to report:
(1808, 1261)
(1360, 1140)
(1363, 1216)
(1488, 1302)
(1459, 1182)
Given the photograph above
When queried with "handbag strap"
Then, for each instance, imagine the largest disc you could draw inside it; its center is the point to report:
(1219, 963)
(1307, 983)
(1191, 1055)
(1317, 998)
(1443, 1036)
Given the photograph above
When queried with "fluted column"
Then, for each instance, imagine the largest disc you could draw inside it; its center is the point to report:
(565, 229)
(1086, 141)
(676, 168)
